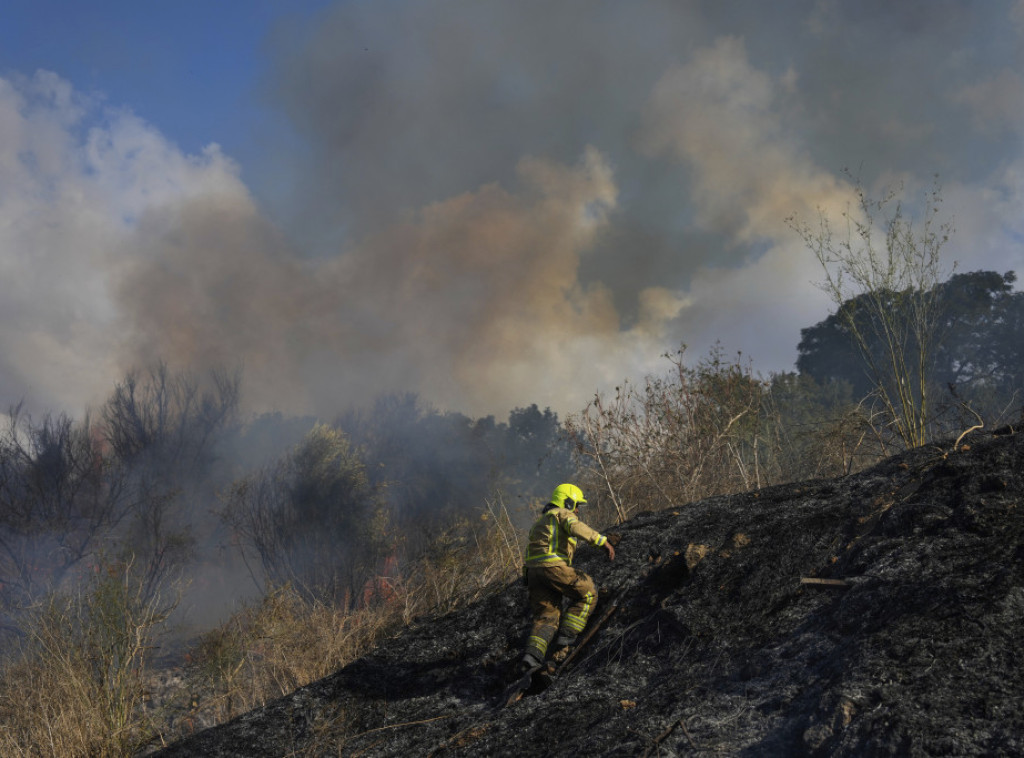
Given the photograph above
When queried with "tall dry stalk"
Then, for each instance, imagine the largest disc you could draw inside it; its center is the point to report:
(882, 272)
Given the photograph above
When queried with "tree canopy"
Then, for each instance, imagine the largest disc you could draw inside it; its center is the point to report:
(977, 347)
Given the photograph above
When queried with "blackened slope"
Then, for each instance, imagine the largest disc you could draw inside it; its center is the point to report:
(918, 656)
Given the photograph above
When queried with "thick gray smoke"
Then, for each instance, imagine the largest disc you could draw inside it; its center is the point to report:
(495, 204)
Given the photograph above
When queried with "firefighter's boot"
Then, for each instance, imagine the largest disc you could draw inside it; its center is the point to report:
(563, 645)
(529, 661)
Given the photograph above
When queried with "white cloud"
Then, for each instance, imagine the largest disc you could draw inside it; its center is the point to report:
(116, 248)
(74, 175)
(721, 118)
(989, 221)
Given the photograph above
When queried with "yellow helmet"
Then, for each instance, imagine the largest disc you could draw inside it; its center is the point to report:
(567, 496)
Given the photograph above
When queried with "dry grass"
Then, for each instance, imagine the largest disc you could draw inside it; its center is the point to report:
(287, 640)
(75, 684)
(275, 646)
(692, 433)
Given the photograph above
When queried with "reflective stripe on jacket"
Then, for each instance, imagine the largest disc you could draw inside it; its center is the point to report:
(553, 537)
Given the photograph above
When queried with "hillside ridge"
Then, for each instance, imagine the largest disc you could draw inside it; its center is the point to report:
(717, 645)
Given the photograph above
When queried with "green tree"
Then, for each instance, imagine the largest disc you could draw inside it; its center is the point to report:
(977, 358)
(980, 347)
(313, 519)
(535, 451)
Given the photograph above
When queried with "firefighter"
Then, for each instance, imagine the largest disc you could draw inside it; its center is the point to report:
(550, 576)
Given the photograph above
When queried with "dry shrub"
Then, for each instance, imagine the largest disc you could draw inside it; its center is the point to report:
(818, 431)
(693, 433)
(883, 270)
(313, 520)
(714, 429)
(75, 685)
(463, 563)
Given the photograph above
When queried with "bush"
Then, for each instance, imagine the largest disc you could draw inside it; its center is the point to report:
(692, 433)
(313, 521)
(714, 429)
(76, 684)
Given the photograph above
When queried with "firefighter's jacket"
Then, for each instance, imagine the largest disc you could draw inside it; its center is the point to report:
(554, 535)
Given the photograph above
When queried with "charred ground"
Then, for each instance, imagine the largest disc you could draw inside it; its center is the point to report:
(717, 645)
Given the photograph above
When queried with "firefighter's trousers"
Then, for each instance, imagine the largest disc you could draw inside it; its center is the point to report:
(548, 585)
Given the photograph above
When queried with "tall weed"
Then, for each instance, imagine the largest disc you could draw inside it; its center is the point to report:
(76, 683)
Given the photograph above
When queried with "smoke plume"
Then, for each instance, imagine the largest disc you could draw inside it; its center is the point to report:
(496, 204)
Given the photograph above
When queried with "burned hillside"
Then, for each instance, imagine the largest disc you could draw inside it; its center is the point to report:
(717, 645)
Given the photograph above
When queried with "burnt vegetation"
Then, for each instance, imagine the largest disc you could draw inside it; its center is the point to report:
(873, 614)
(372, 557)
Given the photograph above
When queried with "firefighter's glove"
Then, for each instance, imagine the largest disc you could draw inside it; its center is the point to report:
(614, 539)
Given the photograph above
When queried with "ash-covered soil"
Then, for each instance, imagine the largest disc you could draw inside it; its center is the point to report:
(722, 648)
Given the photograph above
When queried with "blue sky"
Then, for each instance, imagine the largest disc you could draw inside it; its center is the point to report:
(192, 68)
(491, 204)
